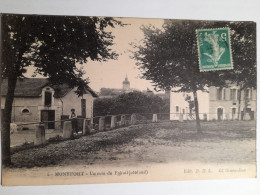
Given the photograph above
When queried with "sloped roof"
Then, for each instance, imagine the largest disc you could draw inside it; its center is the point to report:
(32, 87)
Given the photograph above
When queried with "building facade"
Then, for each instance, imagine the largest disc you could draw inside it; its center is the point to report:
(179, 107)
(37, 101)
(224, 103)
(216, 104)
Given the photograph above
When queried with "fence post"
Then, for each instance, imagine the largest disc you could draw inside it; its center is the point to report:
(67, 129)
(86, 126)
(155, 119)
(113, 122)
(181, 117)
(126, 120)
(101, 123)
(13, 127)
(89, 126)
(205, 117)
(133, 119)
(122, 120)
(40, 134)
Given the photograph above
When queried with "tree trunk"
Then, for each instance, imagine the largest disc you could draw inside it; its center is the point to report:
(246, 104)
(6, 155)
(196, 104)
(239, 103)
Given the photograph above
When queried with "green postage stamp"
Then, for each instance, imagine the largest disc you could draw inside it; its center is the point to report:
(214, 49)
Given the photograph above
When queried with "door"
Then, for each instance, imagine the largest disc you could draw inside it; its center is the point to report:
(48, 115)
(220, 114)
(51, 117)
(233, 113)
(251, 113)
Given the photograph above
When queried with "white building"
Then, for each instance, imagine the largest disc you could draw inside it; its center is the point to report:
(35, 100)
(180, 107)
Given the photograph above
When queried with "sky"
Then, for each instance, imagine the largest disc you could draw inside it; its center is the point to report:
(110, 74)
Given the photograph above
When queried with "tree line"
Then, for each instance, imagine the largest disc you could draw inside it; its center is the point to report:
(129, 103)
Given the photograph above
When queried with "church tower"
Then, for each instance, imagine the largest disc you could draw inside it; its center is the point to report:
(126, 84)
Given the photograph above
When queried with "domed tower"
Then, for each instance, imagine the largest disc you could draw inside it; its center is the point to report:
(126, 84)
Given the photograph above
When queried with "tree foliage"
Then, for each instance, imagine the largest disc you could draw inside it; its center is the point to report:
(110, 92)
(54, 45)
(169, 56)
(129, 103)
(243, 37)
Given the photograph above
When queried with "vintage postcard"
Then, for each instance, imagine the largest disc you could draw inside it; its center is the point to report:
(106, 100)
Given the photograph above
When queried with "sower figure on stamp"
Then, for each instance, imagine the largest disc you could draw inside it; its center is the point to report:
(74, 122)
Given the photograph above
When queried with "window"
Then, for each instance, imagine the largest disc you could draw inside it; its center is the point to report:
(224, 94)
(25, 111)
(48, 98)
(177, 108)
(183, 111)
(219, 94)
(233, 93)
(233, 111)
(248, 93)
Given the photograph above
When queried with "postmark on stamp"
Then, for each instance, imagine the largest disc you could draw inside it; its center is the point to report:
(214, 49)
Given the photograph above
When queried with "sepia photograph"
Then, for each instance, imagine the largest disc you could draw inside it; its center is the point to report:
(88, 99)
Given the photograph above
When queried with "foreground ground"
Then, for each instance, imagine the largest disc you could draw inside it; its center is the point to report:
(220, 142)
(143, 152)
(28, 136)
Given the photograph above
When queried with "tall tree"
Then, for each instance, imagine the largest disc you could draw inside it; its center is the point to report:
(169, 57)
(53, 45)
(244, 47)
